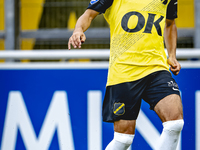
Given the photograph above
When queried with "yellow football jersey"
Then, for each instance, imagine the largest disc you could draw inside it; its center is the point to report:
(137, 43)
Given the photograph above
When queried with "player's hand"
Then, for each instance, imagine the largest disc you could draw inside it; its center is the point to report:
(175, 67)
(76, 40)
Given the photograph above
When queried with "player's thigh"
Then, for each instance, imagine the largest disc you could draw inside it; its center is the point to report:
(169, 108)
(125, 126)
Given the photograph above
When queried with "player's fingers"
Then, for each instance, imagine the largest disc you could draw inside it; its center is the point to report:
(175, 70)
(69, 43)
(76, 40)
(175, 67)
(69, 46)
(176, 73)
(73, 42)
(83, 38)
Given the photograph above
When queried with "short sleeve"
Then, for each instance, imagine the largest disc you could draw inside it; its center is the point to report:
(100, 5)
(172, 10)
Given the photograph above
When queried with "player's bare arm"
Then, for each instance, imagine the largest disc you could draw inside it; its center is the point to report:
(83, 23)
(170, 36)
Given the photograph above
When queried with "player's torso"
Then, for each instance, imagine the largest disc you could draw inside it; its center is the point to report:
(137, 28)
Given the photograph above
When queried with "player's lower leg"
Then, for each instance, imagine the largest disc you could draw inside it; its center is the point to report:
(170, 135)
(120, 141)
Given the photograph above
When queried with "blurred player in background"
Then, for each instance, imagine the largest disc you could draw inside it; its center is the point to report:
(138, 66)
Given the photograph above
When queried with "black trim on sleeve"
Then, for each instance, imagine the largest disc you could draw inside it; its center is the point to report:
(172, 10)
(100, 5)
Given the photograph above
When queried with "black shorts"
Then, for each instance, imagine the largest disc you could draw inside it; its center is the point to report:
(123, 101)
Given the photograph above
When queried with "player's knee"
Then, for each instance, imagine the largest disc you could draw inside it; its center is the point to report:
(174, 125)
(124, 138)
(125, 126)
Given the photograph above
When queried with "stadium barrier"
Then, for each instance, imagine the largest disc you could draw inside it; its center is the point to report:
(79, 54)
(57, 105)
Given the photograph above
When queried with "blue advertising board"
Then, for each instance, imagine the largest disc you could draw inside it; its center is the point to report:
(60, 108)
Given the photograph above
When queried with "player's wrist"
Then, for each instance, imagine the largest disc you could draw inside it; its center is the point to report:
(172, 57)
(78, 30)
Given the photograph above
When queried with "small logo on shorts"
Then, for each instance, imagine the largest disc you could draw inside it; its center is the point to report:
(119, 108)
(173, 85)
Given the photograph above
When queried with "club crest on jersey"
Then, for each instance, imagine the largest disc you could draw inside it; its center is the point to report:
(119, 108)
(93, 1)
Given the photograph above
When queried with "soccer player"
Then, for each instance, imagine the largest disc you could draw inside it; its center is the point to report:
(138, 66)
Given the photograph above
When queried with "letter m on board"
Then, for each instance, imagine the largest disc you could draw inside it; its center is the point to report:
(57, 118)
